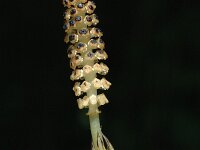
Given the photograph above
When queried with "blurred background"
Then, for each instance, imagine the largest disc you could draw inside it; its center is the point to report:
(154, 59)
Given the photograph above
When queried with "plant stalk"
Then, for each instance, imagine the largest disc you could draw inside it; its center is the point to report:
(95, 127)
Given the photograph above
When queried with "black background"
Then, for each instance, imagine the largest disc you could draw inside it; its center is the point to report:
(154, 52)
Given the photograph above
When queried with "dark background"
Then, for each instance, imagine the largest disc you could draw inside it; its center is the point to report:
(154, 52)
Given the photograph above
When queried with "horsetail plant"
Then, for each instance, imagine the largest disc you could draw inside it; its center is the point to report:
(85, 51)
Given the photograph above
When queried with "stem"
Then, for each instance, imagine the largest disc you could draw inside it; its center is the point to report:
(99, 141)
(93, 109)
(94, 126)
